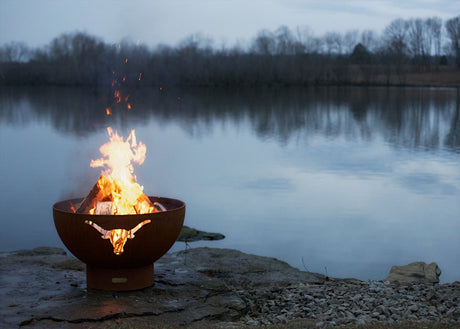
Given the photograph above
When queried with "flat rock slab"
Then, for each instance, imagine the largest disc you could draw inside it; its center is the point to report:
(188, 234)
(46, 288)
(417, 271)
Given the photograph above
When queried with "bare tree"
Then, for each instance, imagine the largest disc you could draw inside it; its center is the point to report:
(285, 41)
(264, 43)
(453, 31)
(196, 41)
(369, 39)
(279, 57)
(306, 37)
(395, 50)
(415, 36)
(15, 52)
(333, 42)
(395, 37)
(350, 40)
(434, 25)
(420, 41)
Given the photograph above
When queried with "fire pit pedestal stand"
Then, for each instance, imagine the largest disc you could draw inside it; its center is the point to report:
(133, 268)
(119, 279)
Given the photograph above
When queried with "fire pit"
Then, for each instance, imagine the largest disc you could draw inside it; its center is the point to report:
(117, 230)
(132, 268)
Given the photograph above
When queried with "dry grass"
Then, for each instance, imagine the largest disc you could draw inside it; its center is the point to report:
(442, 78)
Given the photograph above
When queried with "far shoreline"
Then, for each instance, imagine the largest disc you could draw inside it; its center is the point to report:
(437, 77)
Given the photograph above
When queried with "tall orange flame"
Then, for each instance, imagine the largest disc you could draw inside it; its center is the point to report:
(117, 183)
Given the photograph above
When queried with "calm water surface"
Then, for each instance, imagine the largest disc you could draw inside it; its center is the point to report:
(345, 180)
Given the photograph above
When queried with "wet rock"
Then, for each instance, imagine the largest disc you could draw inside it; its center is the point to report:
(417, 271)
(45, 285)
(188, 234)
(70, 264)
(222, 287)
(40, 251)
(238, 267)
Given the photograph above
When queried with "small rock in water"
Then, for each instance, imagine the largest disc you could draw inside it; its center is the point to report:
(189, 234)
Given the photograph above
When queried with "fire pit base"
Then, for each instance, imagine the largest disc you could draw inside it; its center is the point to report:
(132, 268)
(119, 279)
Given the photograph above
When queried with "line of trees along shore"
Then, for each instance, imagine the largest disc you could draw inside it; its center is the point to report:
(280, 57)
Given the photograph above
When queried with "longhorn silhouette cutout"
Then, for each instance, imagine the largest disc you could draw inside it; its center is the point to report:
(117, 236)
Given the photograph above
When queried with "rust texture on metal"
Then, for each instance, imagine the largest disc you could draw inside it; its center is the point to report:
(119, 279)
(149, 244)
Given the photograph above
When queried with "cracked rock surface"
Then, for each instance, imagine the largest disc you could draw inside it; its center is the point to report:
(46, 288)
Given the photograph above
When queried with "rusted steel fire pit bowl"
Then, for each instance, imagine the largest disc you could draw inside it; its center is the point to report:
(133, 268)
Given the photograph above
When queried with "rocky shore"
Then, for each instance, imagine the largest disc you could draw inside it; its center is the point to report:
(46, 288)
(338, 302)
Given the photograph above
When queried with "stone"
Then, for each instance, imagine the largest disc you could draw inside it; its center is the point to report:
(41, 251)
(456, 314)
(417, 271)
(188, 234)
(413, 308)
(235, 266)
(210, 288)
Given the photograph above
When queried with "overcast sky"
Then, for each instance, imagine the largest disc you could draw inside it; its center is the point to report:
(37, 22)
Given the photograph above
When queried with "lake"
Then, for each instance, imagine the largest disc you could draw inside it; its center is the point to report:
(344, 181)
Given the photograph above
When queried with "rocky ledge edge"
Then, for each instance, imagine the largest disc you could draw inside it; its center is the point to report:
(46, 288)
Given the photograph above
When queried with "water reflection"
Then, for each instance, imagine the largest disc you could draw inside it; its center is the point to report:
(355, 179)
(403, 117)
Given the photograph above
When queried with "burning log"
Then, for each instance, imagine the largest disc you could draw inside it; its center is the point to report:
(101, 200)
(96, 202)
(99, 203)
(88, 202)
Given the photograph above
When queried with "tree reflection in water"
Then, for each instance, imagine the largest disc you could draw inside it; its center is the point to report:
(408, 117)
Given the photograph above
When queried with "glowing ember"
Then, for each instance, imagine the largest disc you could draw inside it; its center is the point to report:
(116, 96)
(118, 193)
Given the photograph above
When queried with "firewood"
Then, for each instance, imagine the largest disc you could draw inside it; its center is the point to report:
(88, 203)
(104, 208)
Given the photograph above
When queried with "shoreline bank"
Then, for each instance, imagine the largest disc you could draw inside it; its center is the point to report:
(45, 287)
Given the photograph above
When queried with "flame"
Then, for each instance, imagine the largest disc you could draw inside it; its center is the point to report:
(117, 184)
(107, 111)
(72, 207)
